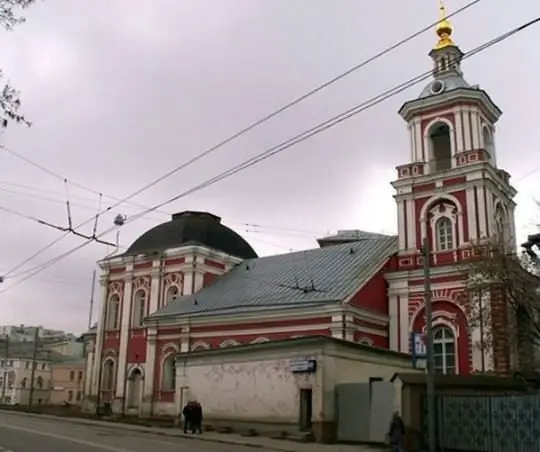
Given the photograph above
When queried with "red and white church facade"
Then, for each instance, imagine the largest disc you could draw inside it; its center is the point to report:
(192, 283)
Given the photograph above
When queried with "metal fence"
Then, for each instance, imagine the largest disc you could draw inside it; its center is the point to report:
(487, 423)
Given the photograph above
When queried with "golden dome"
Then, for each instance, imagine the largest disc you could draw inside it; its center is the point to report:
(444, 29)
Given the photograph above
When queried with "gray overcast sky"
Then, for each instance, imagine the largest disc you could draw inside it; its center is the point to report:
(121, 92)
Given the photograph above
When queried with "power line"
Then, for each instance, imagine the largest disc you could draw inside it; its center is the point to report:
(242, 132)
(293, 141)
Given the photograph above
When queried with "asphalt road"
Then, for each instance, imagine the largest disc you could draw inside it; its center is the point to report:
(31, 434)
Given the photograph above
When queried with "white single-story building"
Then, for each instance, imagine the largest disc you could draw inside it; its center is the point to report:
(325, 385)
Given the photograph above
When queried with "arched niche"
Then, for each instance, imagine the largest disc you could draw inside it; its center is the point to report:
(439, 142)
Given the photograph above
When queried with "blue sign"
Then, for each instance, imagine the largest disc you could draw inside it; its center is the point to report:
(418, 347)
(301, 366)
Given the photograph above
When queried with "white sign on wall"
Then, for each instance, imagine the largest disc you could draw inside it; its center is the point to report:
(419, 345)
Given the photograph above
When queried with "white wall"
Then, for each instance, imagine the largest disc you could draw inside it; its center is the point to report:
(249, 388)
(345, 367)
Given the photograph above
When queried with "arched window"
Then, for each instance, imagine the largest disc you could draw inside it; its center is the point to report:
(139, 308)
(260, 340)
(168, 379)
(445, 234)
(24, 381)
(113, 313)
(440, 147)
(39, 382)
(108, 375)
(171, 294)
(487, 138)
(444, 348)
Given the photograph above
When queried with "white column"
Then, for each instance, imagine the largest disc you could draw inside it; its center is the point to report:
(393, 314)
(100, 335)
(124, 336)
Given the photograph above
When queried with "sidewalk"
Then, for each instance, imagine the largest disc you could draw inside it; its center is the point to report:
(257, 441)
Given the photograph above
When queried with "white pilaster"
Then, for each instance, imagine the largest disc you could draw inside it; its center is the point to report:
(149, 365)
(401, 225)
(155, 286)
(198, 280)
(393, 314)
(411, 141)
(100, 335)
(349, 328)
(404, 326)
(467, 129)
(417, 127)
(411, 224)
(124, 334)
(482, 211)
(475, 125)
(184, 339)
(459, 131)
(187, 287)
(89, 368)
(336, 328)
(471, 214)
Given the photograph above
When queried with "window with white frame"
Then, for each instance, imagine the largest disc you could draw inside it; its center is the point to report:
(139, 308)
(444, 350)
(445, 234)
(168, 382)
(113, 313)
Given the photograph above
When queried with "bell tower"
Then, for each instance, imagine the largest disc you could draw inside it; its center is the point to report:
(452, 192)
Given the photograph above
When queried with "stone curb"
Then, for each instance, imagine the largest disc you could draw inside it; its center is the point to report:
(154, 431)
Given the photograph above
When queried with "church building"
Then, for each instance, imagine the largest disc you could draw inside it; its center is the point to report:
(192, 283)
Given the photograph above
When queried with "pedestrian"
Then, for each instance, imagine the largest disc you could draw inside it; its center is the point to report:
(188, 416)
(197, 417)
(396, 433)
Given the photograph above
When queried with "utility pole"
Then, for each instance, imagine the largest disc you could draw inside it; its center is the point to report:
(480, 295)
(5, 374)
(92, 291)
(430, 390)
(33, 371)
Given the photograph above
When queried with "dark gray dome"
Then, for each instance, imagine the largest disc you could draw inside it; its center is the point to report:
(193, 228)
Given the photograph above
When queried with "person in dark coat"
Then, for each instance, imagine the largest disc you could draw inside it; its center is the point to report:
(188, 416)
(196, 418)
(396, 433)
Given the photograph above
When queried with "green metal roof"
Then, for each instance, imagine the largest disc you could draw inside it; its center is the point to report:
(306, 278)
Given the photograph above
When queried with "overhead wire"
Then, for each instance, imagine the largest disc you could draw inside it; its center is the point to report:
(291, 142)
(242, 132)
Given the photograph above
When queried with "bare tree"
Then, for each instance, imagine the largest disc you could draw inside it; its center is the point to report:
(9, 97)
(497, 269)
